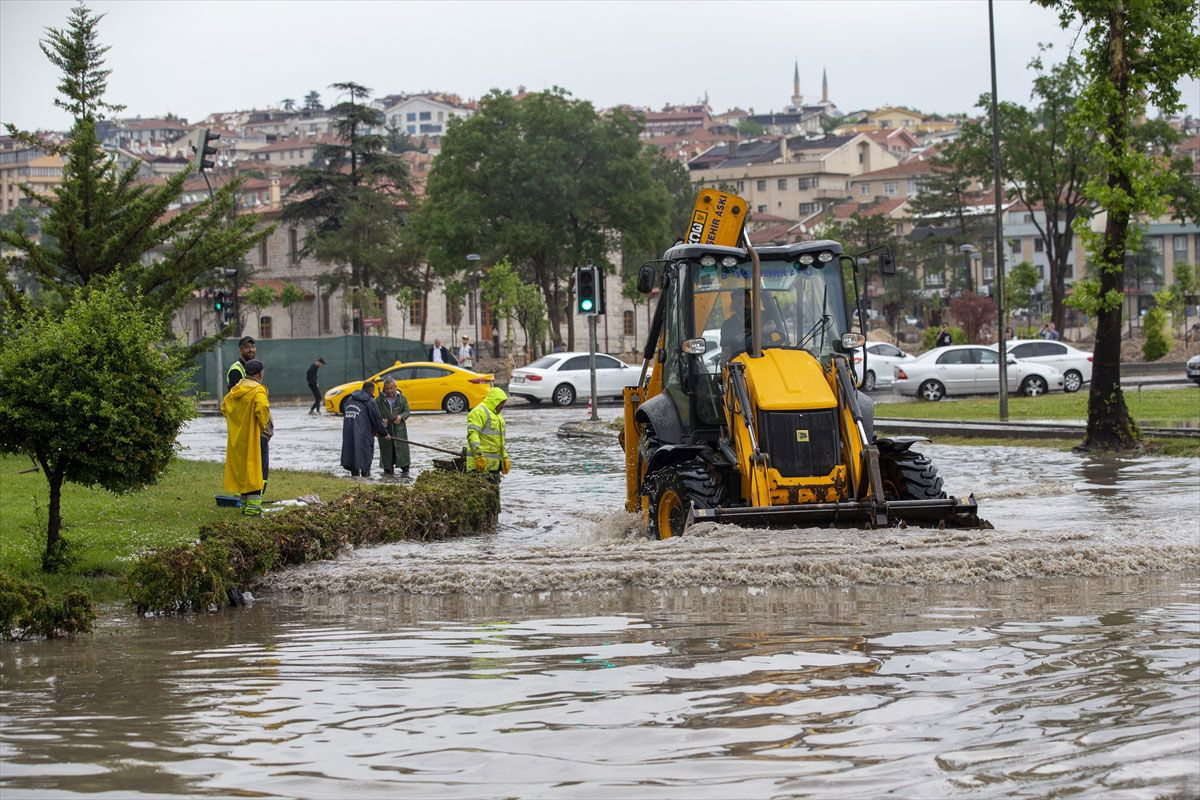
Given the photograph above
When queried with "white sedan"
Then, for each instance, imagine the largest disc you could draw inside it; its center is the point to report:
(1075, 365)
(971, 369)
(882, 359)
(562, 378)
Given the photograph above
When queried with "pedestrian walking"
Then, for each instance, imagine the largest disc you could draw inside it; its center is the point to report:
(247, 349)
(944, 339)
(360, 425)
(465, 353)
(247, 411)
(487, 453)
(311, 377)
(394, 411)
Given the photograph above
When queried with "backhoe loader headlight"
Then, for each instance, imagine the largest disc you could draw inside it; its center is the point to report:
(694, 347)
(729, 262)
(853, 341)
(825, 258)
(708, 260)
(806, 259)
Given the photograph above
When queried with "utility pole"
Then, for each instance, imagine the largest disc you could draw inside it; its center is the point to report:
(1000, 324)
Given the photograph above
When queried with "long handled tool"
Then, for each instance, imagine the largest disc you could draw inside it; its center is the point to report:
(455, 453)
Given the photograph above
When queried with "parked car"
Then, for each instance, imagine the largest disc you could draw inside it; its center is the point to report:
(882, 358)
(1193, 368)
(1074, 364)
(427, 385)
(561, 378)
(971, 369)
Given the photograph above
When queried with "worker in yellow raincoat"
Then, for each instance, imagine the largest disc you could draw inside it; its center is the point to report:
(247, 413)
(487, 453)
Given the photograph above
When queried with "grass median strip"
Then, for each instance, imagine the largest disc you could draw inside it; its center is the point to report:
(1150, 407)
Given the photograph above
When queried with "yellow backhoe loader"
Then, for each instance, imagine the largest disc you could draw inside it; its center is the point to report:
(748, 409)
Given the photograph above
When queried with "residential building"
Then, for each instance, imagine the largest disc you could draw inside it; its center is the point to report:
(901, 181)
(20, 165)
(791, 178)
(425, 115)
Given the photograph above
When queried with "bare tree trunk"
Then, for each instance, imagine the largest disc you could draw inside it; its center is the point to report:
(50, 560)
(425, 306)
(1110, 427)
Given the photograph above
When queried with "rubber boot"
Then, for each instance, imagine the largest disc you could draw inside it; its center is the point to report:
(252, 505)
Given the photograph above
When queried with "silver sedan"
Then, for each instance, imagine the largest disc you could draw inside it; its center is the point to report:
(971, 369)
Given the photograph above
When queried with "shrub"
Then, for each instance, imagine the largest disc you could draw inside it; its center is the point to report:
(929, 337)
(230, 554)
(25, 611)
(1157, 343)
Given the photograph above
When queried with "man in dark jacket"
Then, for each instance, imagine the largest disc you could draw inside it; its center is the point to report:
(247, 350)
(393, 410)
(311, 377)
(360, 425)
(440, 354)
(944, 339)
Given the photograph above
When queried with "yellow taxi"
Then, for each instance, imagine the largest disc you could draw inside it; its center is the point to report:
(427, 385)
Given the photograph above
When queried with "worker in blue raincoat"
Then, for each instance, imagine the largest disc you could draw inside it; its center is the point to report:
(486, 451)
(361, 423)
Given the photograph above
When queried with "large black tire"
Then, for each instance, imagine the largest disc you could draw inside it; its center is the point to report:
(674, 490)
(455, 403)
(1072, 380)
(909, 475)
(868, 384)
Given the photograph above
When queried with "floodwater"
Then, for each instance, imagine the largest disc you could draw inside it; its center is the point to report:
(565, 655)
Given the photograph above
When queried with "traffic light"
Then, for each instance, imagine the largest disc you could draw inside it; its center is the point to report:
(220, 301)
(587, 290)
(203, 150)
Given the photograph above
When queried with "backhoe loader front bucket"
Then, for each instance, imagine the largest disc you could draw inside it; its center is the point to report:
(949, 512)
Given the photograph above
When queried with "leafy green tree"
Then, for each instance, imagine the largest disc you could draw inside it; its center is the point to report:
(90, 397)
(1158, 341)
(546, 181)
(897, 293)
(101, 222)
(312, 101)
(748, 127)
(500, 288)
(259, 298)
(1019, 284)
(947, 208)
(1136, 53)
(455, 292)
(350, 201)
(530, 312)
(289, 296)
(1043, 165)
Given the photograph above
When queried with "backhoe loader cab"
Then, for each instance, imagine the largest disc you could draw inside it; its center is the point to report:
(772, 431)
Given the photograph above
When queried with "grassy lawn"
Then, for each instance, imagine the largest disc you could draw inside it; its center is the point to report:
(1172, 446)
(104, 529)
(1151, 407)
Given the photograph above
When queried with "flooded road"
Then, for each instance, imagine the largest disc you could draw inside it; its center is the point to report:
(566, 655)
(1001, 690)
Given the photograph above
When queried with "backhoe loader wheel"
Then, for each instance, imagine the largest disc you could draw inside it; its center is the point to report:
(673, 491)
(909, 475)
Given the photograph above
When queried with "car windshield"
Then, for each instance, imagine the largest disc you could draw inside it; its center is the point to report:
(545, 362)
(803, 306)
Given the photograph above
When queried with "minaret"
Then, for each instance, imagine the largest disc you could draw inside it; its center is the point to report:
(797, 98)
(824, 88)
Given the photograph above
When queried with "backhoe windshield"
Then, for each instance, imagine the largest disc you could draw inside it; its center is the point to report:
(803, 307)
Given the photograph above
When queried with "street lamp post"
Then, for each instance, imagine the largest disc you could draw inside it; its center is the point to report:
(968, 250)
(473, 259)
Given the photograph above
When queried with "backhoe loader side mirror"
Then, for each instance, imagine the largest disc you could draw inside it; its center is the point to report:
(887, 263)
(645, 280)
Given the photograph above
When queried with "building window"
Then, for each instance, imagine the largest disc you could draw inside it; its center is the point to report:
(416, 310)
(293, 246)
(412, 129)
(890, 188)
(410, 116)
(426, 116)
(866, 189)
(1014, 245)
(264, 327)
(453, 313)
(934, 280)
(1039, 246)
(441, 116)
(1027, 219)
(810, 182)
(761, 209)
(781, 184)
(629, 326)
(741, 186)
(760, 186)
(262, 253)
(808, 208)
(989, 272)
(1179, 248)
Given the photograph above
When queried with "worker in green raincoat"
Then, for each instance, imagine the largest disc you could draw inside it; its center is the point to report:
(486, 451)
(394, 411)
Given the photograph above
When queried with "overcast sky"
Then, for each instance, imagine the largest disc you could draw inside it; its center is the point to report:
(194, 58)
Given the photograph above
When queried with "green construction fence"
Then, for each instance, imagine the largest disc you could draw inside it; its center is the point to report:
(286, 361)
